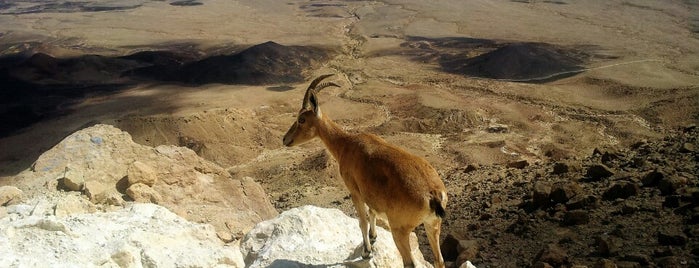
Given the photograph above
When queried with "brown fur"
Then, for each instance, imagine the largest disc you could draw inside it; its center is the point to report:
(380, 176)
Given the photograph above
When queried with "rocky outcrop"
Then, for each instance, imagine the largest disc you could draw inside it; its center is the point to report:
(40, 232)
(103, 163)
(312, 236)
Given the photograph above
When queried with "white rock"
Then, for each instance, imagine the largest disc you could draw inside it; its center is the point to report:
(136, 236)
(309, 236)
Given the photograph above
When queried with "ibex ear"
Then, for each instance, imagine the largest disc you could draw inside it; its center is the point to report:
(314, 104)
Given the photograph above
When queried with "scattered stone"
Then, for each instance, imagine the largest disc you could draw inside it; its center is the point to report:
(598, 172)
(541, 193)
(561, 193)
(663, 252)
(93, 190)
(72, 179)
(9, 195)
(470, 167)
(576, 217)
(604, 263)
(559, 168)
(668, 185)
(671, 201)
(608, 245)
(628, 209)
(637, 257)
(652, 178)
(73, 204)
(140, 192)
(671, 238)
(623, 190)
(140, 172)
(497, 128)
(688, 148)
(468, 250)
(226, 237)
(608, 157)
(582, 201)
(449, 247)
(670, 262)
(552, 255)
(541, 265)
(518, 164)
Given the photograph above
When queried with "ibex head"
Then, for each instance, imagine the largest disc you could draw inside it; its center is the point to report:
(304, 129)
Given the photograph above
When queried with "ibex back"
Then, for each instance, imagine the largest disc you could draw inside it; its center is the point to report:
(381, 178)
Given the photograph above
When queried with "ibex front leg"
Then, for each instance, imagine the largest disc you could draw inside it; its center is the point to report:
(361, 208)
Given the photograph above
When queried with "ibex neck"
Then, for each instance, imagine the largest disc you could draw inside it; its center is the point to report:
(333, 136)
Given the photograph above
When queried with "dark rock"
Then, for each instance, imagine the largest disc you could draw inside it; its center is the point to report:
(670, 262)
(604, 263)
(637, 257)
(449, 247)
(541, 193)
(652, 178)
(621, 190)
(671, 201)
(596, 151)
(553, 255)
(608, 245)
(541, 265)
(608, 157)
(628, 209)
(669, 185)
(688, 148)
(470, 168)
(628, 264)
(559, 168)
(468, 250)
(485, 217)
(576, 217)
(582, 201)
(598, 172)
(561, 193)
(663, 252)
(671, 238)
(518, 164)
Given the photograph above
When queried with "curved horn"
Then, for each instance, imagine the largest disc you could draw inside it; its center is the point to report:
(324, 85)
(311, 89)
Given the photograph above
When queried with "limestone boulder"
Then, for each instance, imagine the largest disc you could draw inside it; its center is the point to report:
(138, 235)
(309, 236)
(109, 168)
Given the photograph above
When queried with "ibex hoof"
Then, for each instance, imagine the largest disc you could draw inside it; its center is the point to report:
(366, 253)
(372, 239)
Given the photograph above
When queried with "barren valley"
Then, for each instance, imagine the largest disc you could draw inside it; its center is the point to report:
(581, 102)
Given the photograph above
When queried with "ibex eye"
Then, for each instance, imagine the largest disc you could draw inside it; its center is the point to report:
(302, 120)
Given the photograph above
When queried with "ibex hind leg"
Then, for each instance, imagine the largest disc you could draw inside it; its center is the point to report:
(433, 227)
(401, 236)
(372, 226)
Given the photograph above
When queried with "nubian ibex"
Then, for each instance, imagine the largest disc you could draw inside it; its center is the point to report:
(382, 178)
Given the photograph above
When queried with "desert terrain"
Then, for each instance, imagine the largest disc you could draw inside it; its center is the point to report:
(582, 102)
